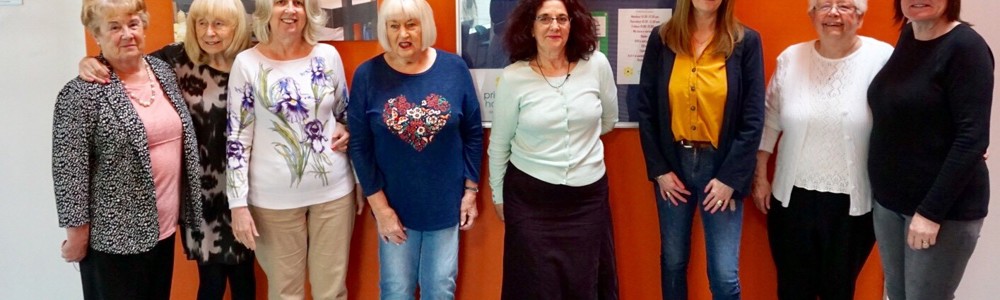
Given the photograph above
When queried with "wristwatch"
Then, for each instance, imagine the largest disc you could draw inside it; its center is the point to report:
(472, 188)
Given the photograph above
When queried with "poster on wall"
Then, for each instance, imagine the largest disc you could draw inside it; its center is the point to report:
(623, 27)
(347, 20)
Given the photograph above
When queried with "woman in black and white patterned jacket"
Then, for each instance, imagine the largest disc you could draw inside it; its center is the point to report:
(124, 162)
(217, 30)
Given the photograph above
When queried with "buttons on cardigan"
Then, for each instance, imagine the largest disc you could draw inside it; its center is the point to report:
(692, 107)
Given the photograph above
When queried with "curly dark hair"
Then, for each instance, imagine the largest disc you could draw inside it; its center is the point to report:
(582, 40)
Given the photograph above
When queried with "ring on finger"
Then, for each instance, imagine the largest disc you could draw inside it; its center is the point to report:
(718, 203)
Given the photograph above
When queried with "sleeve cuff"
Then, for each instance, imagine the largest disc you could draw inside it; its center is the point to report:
(929, 215)
(768, 140)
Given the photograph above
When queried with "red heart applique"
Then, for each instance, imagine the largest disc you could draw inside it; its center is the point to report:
(416, 124)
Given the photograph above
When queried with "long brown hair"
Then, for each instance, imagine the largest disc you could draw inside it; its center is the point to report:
(676, 33)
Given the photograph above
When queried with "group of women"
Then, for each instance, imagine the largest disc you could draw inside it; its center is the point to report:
(247, 149)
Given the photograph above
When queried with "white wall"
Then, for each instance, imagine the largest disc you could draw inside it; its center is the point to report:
(980, 280)
(41, 42)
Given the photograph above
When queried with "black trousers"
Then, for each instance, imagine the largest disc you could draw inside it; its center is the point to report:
(213, 277)
(134, 276)
(818, 248)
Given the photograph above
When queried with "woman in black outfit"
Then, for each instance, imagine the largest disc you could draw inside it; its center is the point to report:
(931, 110)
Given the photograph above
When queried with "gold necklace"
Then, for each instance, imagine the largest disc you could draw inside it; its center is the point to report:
(152, 89)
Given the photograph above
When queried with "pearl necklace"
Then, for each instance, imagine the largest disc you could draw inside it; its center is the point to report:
(152, 89)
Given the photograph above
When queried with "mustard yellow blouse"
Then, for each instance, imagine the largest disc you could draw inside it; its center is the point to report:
(697, 92)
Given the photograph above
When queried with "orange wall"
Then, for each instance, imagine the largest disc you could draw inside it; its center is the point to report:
(781, 23)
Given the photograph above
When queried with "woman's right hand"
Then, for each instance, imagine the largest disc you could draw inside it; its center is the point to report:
(244, 228)
(74, 248)
(761, 192)
(389, 227)
(92, 70)
(672, 189)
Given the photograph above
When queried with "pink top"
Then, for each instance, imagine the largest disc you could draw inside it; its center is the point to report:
(164, 133)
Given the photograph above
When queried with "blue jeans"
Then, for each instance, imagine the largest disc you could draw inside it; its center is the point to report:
(429, 258)
(722, 232)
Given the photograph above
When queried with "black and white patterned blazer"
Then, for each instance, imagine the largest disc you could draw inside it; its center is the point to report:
(101, 167)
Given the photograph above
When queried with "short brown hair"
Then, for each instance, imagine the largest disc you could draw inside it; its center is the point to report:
(582, 39)
(94, 11)
(951, 12)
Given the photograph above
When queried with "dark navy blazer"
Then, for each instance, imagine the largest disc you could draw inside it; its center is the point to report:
(742, 122)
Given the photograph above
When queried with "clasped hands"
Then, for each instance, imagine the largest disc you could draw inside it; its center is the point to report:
(718, 194)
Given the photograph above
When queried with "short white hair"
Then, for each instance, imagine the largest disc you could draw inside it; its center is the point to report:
(405, 10)
(315, 16)
(861, 5)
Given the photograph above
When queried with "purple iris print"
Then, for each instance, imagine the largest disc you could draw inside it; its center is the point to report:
(247, 103)
(318, 68)
(290, 102)
(314, 136)
(234, 152)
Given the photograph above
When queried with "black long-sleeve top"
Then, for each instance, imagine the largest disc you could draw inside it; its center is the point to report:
(931, 111)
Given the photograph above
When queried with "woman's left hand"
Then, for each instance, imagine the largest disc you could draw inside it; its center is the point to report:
(468, 211)
(340, 138)
(74, 247)
(922, 233)
(719, 196)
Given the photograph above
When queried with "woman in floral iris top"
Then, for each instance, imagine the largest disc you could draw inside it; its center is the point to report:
(290, 192)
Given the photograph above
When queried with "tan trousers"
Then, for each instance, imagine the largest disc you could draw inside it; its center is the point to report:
(316, 238)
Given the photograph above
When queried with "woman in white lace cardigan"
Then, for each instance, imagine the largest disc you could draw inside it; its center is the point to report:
(819, 212)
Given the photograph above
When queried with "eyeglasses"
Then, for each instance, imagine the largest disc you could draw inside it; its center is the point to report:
(840, 8)
(547, 20)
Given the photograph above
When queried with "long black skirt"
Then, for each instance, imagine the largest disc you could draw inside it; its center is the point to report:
(558, 242)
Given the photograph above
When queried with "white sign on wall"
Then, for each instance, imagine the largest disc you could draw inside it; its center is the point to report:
(634, 27)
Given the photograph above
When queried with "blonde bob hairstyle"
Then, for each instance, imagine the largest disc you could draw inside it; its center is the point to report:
(229, 11)
(315, 20)
(403, 10)
(860, 5)
(676, 33)
(94, 12)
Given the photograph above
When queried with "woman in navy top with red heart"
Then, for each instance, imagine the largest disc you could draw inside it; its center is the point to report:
(416, 143)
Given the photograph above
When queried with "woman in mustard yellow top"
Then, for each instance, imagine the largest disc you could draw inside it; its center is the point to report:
(701, 113)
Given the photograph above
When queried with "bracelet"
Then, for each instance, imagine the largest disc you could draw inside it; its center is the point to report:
(472, 188)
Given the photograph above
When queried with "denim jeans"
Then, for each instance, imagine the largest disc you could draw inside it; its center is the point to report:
(427, 258)
(932, 273)
(722, 232)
